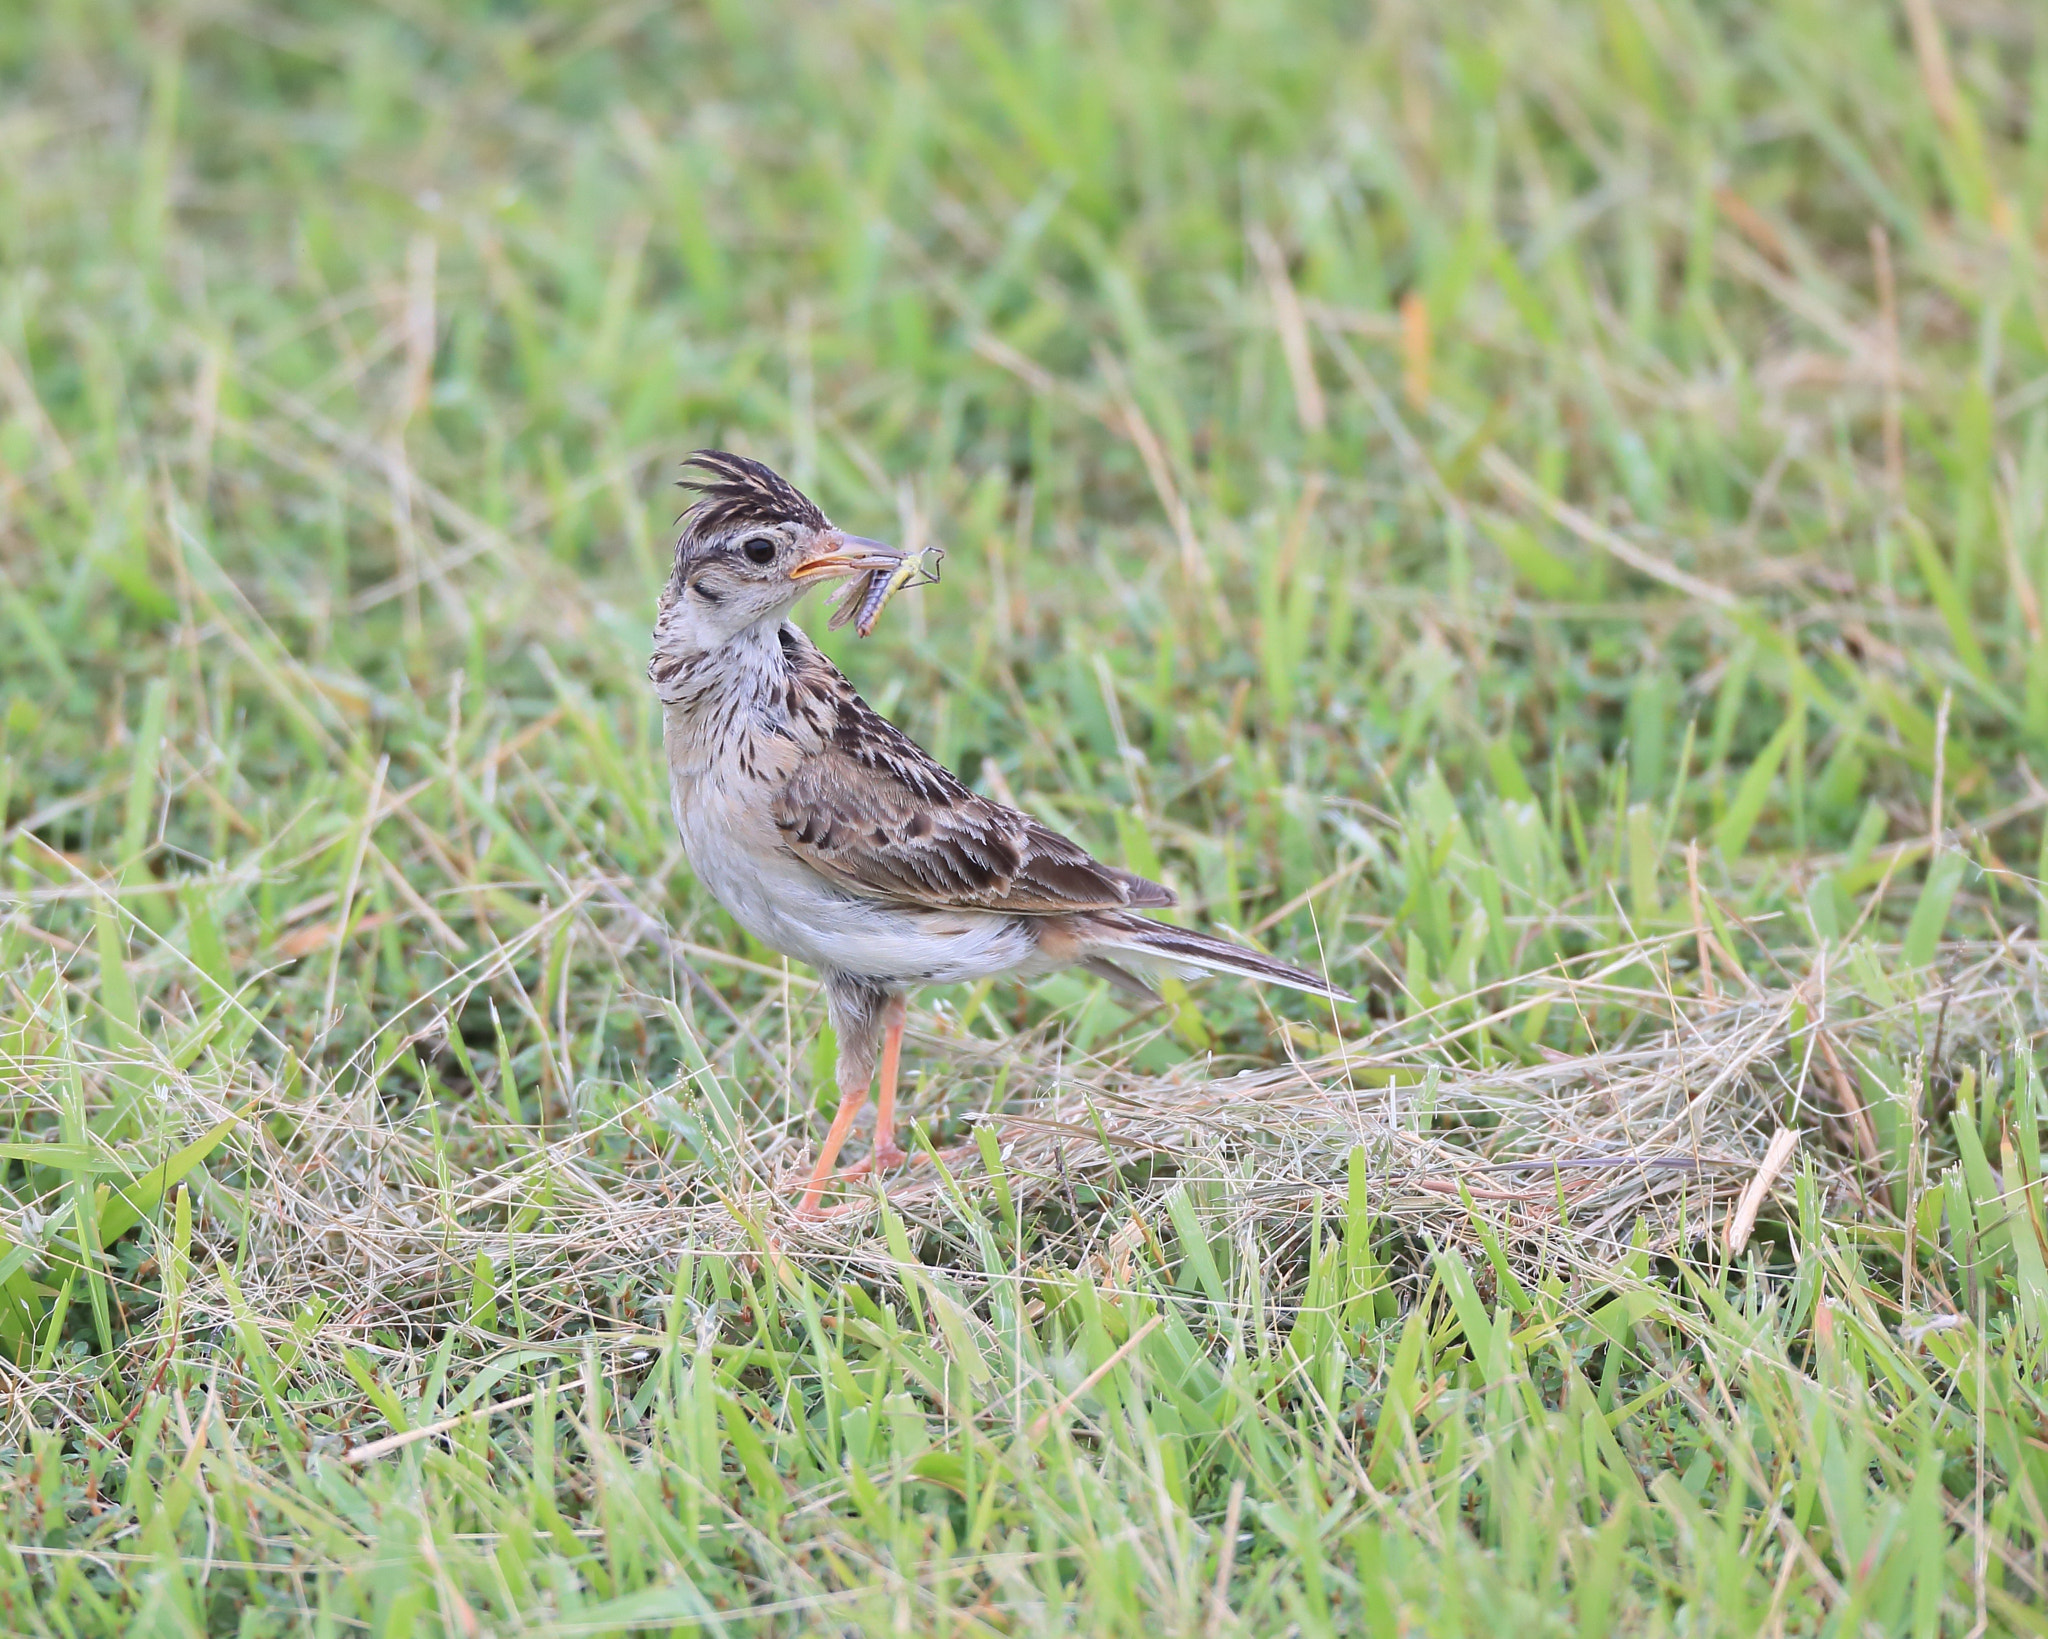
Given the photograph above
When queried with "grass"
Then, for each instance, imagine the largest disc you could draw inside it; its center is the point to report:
(1542, 509)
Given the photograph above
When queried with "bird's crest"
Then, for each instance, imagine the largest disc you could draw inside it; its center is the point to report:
(734, 491)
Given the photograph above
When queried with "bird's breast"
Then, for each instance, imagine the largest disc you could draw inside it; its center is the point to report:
(724, 822)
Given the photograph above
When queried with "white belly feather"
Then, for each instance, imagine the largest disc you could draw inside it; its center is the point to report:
(791, 908)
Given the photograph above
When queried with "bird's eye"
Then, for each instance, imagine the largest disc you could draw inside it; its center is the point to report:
(758, 549)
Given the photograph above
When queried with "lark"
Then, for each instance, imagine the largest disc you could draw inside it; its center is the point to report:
(832, 837)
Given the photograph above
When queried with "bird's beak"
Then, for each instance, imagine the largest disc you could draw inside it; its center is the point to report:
(840, 554)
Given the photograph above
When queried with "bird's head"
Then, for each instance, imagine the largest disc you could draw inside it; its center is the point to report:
(751, 546)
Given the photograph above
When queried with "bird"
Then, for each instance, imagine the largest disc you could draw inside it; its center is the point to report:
(832, 837)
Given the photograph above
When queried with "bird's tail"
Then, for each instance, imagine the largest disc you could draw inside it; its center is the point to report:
(1162, 942)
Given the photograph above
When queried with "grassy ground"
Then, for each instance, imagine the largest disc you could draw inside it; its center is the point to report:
(1542, 508)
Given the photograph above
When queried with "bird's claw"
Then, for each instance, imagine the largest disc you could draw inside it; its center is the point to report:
(887, 1159)
(814, 1212)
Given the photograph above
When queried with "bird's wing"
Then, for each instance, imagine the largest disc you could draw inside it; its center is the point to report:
(871, 810)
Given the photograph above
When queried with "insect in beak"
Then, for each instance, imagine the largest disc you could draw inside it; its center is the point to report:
(863, 600)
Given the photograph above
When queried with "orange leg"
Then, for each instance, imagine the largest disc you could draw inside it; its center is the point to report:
(886, 1152)
(850, 1101)
(851, 1098)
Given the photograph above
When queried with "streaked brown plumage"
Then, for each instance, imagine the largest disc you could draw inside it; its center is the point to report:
(870, 809)
(831, 836)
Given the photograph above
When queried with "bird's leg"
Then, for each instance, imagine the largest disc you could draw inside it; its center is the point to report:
(851, 1098)
(858, 1010)
(887, 1154)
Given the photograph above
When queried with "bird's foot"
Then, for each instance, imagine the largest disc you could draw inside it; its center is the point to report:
(816, 1212)
(886, 1158)
(882, 1160)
